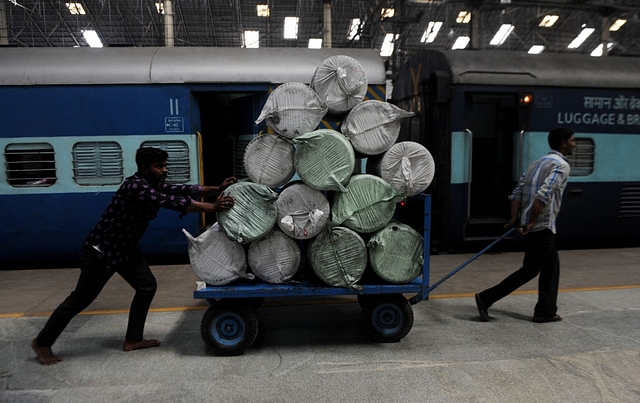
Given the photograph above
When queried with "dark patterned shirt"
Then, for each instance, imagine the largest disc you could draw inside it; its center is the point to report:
(127, 216)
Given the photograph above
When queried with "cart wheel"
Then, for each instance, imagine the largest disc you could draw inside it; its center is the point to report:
(229, 329)
(388, 317)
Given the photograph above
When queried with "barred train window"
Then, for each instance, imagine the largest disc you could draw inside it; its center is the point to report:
(178, 161)
(30, 164)
(97, 163)
(583, 157)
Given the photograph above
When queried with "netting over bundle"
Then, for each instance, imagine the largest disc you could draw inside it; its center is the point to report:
(253, 214)
(215, 258)
(293, 109)
(396, 253)
(274, 258)
(302, 211)
(373, 127)
(268, 160)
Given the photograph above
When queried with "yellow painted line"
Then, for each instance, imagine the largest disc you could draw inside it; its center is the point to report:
(316, 302)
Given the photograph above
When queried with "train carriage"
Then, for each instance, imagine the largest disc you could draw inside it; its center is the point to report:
(485, 115)
(72, 119)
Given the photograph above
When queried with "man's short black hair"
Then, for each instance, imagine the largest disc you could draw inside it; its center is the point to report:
(145, 156)
(557, 135)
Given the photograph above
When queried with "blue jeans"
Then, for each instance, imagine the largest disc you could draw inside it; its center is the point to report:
(94, 274)
(540, 256)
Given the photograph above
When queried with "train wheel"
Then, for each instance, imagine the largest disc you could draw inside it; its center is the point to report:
(388, 318)
(229, 329)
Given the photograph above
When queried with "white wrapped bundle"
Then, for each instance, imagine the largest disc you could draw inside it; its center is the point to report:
(338, 257)
(215, 258)
(274, 258)
(324, 159)
(268, 160)
(396, 253)
(341, 82)
(303, 212)
(407, 166)
(253, 214)
(373, 127)
(293, 109)
(368, 204)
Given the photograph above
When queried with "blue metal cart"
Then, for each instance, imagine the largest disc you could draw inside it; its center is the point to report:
(230, 325)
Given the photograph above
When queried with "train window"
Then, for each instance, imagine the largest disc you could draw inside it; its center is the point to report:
(583, 157)
(178, 161)
(30, 164)
(97, 163)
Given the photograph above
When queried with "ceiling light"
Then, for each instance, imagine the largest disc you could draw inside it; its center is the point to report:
(252, 39)
(501, 35)
(353, 30)
(536, 49)
(75, 8)
(617, 25)
(597, 52)
(461, 42)
(581, 38)
(463, 17)
(262, 10)
(549, 20)
(160, 7)
(387, 46)
(387, 13)
(431, 32)
(291, 28)
(315, 43)
(92, 38)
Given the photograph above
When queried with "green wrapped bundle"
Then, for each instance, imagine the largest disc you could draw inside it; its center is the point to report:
(274, 258)
(338, 256)
(253, 214)
(396, 253)
(268, 160)
(324, 159)
(368, 204)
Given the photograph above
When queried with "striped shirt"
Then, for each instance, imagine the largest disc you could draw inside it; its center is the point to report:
(545, 180)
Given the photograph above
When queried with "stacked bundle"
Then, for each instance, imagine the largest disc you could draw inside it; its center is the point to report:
(325, 159)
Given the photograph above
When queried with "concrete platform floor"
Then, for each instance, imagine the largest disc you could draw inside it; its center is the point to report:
(314, 349)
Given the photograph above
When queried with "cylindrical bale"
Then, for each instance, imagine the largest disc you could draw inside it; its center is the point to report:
(268, 160)
(367, 205)
(293, 109)
(396, 253)
(215, 258)
(324, 159)
(373, 127)
(303, 212)
(253, 214)
(338, 257)
(274, 258)
(341, 82)
(407, 166)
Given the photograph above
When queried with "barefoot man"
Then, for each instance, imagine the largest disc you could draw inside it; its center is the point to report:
(112, 247)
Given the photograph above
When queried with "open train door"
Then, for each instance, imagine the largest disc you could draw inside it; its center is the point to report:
(491, 128)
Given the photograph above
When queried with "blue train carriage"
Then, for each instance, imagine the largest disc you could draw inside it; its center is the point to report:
(72, 119)
(485, 116)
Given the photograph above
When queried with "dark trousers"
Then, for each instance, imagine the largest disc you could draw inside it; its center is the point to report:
(540, 256)
(94, 274)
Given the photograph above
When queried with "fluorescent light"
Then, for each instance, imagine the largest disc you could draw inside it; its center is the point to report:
(501, 35)
(387, 45)
(581, 38)
(92, 38)
(315, 43)
(461, 42)
(617, 25)
(431, 32)
(387, 13)
(252, 39)
(262, 10)
(463, 17)
(597, 52)
(353, 30)
(160, 7)
(536, 49)
(290, 27)
(75, 8)
(549, 20)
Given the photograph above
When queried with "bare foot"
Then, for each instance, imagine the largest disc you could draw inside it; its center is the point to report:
(136, 345)
(45, 355)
